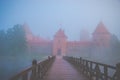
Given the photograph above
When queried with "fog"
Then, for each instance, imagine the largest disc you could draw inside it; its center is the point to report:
(45, 18)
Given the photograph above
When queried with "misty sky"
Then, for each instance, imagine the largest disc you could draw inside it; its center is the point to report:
(45, 17)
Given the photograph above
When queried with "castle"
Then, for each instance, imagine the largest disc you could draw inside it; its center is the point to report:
(61, 46)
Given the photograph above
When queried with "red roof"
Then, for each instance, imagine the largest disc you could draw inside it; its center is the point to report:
(101, 29)
(60, 33)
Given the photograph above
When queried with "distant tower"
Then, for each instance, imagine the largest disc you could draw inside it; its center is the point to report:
(29, 35)
(101, 36)
(84, 35)
(59, 43)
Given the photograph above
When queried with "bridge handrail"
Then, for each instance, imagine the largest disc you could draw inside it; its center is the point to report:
(113, 67)
(92, 69)
(37, 70)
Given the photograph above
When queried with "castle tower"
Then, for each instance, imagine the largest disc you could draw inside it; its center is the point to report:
(29, 35)
(101, 36)
(59, 43)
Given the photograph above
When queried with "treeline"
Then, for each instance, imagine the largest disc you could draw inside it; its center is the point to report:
(115, 45)
(13, 41)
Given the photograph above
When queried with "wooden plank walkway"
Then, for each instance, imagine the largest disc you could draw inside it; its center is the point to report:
(62, 70)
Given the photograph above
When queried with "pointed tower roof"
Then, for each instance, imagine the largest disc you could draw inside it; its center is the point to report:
(101, 29)
(60, 33)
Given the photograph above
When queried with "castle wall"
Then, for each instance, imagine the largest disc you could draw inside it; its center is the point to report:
(41, 48)
(78, 48)
(60, 44)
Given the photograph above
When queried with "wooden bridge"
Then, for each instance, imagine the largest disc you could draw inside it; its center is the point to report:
(69, 68)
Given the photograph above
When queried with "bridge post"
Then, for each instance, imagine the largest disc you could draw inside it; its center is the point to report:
(118, 71)
(80, 64)
(106, 72)
(91, 71)
(80, 60)
(34, 72)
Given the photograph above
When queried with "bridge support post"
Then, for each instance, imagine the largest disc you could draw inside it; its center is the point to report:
(91, 71)
(34, 72)
(106, 72)
(80, 67)
(118, 71)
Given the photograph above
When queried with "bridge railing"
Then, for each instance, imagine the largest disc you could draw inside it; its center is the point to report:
(94, 70)
(36, 71)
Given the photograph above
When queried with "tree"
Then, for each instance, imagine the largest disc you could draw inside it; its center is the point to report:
(115, 43)
(115, 46)
(16, 40)
(2, 42)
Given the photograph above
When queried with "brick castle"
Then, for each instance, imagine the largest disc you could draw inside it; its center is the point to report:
(61, 46)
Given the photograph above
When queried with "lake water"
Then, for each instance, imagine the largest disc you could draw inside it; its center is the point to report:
(11, 65)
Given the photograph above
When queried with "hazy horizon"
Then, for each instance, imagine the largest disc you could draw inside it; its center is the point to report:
(46, 17)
